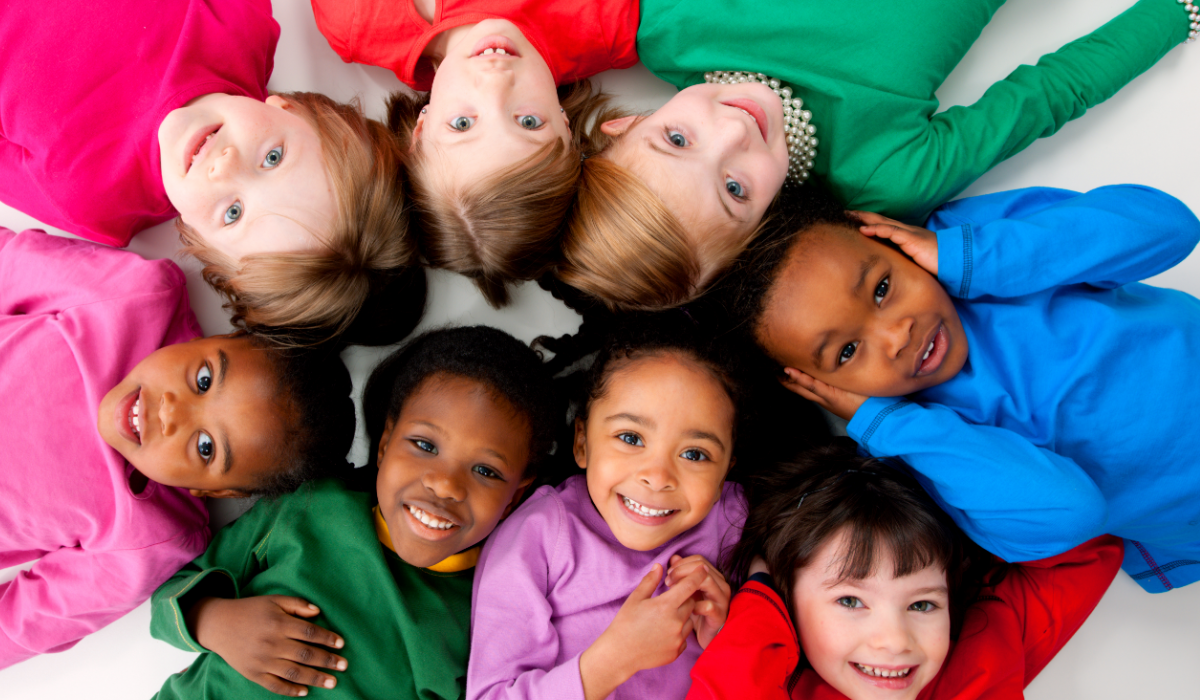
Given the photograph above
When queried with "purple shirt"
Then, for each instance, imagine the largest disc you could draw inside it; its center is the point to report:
(75, 318)
(84, 87)
(550, 580)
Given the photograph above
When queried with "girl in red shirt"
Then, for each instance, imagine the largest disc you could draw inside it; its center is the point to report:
(889, 598)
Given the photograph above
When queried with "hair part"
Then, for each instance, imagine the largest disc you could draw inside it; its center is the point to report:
(504, 365)
(300, 298)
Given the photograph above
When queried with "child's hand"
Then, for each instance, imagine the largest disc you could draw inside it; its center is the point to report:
(918, 243)
(647, 632)
(712, 599)
(840, 403)
(262, 639)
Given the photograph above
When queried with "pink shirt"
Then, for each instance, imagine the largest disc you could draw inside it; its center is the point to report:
(85, 85)
(75, 318)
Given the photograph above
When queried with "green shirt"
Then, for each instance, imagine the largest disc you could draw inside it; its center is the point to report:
(868, 73)
(406, 629)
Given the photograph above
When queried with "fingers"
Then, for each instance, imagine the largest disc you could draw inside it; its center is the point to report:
(870, 218)
(305, 631)
(803, 385)
(648, 584)
(295, 606)
(681, 593)
(288, 678)
(315, 657)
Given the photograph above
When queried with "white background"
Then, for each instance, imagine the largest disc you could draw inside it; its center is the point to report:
(1136, 645)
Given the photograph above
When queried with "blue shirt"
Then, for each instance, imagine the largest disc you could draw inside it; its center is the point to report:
(1072, 415)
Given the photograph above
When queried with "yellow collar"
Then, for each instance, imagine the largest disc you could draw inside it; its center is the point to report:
(455, 562)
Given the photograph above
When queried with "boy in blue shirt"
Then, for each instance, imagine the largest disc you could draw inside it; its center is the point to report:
(1010, 355)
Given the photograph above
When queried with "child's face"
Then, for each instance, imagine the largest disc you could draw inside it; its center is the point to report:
(878, 637)
(489, 111)
(715, 154)
(656, 447)
(199, 415)
(248, 176)
(862, 317)
(451, 466)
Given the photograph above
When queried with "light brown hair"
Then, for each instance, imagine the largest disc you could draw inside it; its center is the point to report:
(506, 227)
(300, 298)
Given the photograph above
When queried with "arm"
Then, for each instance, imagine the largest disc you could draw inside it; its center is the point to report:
(964, 142)
(72, 592)
(755, 652)
(1017, 500)
(1025, 241)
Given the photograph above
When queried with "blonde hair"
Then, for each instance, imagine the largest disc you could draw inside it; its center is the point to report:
(622, 244)
(506, 227)
(300, 298)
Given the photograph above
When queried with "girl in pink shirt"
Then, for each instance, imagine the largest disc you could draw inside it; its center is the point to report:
(113, 428)
(118, 116)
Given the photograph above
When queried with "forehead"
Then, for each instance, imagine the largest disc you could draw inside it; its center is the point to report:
(462, 161)
(669, 385)
(827, 568)
(471, 414)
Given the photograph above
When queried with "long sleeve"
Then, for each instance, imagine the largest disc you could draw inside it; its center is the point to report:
(237, 553)
(1021, 242)
(1019, 501)
(755, 652)
(964, 142)
(71, 592)
(514, 643)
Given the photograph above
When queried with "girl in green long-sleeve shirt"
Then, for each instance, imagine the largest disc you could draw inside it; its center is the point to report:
(462, 418)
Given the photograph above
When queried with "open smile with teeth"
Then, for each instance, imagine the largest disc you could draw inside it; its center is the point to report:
(883, 672)
(134, 418)
(927, 351)
(488, 52)
(643, 510)
(428, 520)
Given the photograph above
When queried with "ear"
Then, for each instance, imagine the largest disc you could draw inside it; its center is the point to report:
(277, 101)
(384, 439)
(419, 127)
(220, 493)
(618, 127)
(517, 496)
(580, 446)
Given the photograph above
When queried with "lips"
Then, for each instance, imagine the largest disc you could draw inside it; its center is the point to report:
(932, 352)
(756, 112)
(429, 522)
(124, 416)
(498, 45)
(198, 146)
(888, 677)
(644, 514)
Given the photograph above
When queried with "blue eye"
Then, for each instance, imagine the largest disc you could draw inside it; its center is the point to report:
(850, 602)
(462, 123)
(486, 471)
(203, 379)
(233, 213)
(204, 445)
(847, 353)
(273, 157)
(922, 606)
(735, 188)
(631, 439)
(425, 446)
(530, 121)
(694, 455)
(882, 288)
(677, 139)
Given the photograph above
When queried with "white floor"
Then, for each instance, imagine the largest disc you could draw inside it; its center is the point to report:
(1134, 646)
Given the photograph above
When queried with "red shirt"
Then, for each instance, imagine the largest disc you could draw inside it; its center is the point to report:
(577, 39)
(1008, 635)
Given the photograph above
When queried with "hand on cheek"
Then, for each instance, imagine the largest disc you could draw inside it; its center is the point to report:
(712, 599)
(918, 243)
(840, 403)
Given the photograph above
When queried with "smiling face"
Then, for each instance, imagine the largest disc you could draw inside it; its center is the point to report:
(716, 155)
(875, 638)
(656, 446)
(451, 466)
(199, 415)
(860, 316)
(247, 176)
(493, 103)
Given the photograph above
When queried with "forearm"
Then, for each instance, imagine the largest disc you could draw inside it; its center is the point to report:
(602, 669)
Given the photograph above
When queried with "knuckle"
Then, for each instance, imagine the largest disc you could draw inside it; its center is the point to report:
(291, 673)
(304, 654)
(310, 631)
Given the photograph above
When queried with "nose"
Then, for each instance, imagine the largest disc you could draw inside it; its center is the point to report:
(444, 484)
(658, 474)
(896, 334)
(732, 132)
(495, 77)
(890, 633)
(225, 164)
(173, 413)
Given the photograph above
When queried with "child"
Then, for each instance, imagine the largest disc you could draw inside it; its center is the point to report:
(564, 605)
(493, 162)
(120, 116)
(463, 418)
(97, 467)
(1043, 381)
(863, 590)
(674, 196)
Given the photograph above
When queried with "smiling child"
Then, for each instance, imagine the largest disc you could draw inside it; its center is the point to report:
(564, 607)
(462, 417)
(98, 467)
(1046, 387)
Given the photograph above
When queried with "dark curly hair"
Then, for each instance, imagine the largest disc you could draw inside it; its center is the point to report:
(312, 394)
(508, 367)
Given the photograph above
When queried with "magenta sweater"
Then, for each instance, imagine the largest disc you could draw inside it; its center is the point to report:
(75, 317)
(550, 580)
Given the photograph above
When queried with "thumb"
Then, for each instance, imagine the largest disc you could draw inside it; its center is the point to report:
(296, 606)
(649, 582)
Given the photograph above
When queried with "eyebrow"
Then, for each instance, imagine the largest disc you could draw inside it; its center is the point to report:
(820, 349)
(638, 420)
(654, 144)
(223, 362)
(704, 435)
(863, 270)
(222, 370)
(228, 462)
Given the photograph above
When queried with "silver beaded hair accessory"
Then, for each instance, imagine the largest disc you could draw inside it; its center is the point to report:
(1193, 11)
(801, 135)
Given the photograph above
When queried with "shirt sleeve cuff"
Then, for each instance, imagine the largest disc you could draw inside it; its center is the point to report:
(867, 419)
(210, 582)
(955, 259)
